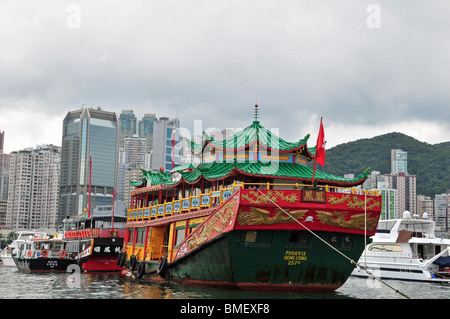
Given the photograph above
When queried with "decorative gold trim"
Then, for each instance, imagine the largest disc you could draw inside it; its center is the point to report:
(269, 197)
(335, 201)
(354, 201)
(355, 221)
(259, 216)
(216, 223)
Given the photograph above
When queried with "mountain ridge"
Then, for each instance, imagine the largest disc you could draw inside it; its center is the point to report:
(429, 162)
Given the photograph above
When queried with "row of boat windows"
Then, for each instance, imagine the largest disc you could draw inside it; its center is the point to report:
(386, 248)
(180, 234)
(411, 226)
(300, 239)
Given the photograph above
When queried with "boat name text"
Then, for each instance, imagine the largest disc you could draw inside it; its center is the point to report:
(295, 257)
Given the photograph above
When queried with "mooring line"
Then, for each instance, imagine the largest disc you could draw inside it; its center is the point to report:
(334, 248)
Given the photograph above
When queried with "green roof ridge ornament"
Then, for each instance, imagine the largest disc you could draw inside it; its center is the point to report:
(256, 114)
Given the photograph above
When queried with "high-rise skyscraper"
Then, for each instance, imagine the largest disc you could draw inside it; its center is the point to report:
(441, 207)
(2, 140)
(166, 146)
(399, 161)
(146, 126)
(128, 125)
(88, 133)
(34, 188)
(4, 180)
(404, 183)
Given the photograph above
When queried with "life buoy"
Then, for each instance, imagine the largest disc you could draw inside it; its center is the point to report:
(62, 253)
(141, 270)
(132, 262)
(44, 253)
(162, 266)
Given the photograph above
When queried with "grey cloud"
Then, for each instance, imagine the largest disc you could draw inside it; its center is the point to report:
(212, 60)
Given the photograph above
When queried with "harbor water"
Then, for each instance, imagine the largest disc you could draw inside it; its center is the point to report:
(16, 285)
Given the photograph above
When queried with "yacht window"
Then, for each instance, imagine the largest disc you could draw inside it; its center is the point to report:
(385, 226)
(386, 248)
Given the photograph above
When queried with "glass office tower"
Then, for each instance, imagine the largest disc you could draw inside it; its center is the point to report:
(88, 133)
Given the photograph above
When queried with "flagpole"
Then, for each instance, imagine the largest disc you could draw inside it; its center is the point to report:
(90, 176)
(112, 218)
(314, 171)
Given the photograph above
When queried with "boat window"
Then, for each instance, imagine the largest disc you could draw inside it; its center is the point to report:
(299, 237)
(259, 238)
(386, 248)
(415, 227)
(333, 240)
(180, 236)
(130, 235)
(140, 236)
(250, 236)
(348, 241)
(385, 225)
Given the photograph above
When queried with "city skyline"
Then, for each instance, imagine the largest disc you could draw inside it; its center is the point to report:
(368, 68)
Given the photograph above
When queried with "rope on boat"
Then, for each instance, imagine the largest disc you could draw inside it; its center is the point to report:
(334, 248)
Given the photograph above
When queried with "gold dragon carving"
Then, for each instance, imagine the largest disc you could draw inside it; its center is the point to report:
(259, 216)
(355, 221)
(354, 201)
(255, 197)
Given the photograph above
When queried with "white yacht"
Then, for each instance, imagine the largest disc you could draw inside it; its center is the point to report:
(13, 248)
(406, 249)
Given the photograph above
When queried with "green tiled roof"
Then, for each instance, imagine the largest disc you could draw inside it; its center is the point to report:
(254, 133)
(156, 178)
(218, 170)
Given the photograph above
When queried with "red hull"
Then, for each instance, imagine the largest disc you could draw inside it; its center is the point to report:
(101, 263)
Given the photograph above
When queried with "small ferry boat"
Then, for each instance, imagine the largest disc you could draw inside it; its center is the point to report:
(12, 249)
(42, 255)
(95, 242)
(250, 216)
(407, 249)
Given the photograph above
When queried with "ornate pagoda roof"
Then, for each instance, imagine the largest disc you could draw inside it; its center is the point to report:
(254, 134)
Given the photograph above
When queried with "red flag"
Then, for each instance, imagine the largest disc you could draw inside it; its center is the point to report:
(320, 146)
(320, 150)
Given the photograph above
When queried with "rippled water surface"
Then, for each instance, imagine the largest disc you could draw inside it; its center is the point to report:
(14, 284)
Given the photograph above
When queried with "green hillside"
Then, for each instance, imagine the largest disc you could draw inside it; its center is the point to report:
(430, 163)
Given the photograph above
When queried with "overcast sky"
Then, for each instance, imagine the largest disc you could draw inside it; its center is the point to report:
(367, 67)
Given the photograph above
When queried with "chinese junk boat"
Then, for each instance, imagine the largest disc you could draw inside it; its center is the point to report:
(95, 242)
(248, 217)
